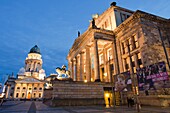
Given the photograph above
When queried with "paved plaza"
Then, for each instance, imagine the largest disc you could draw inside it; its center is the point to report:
(39, 107)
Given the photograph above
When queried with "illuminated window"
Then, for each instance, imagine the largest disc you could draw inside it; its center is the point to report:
(130, 44)
(109, 53)
(101, 59)
(139, 60)
(136, 41)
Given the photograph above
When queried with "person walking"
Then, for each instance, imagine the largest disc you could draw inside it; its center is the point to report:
(128, 101)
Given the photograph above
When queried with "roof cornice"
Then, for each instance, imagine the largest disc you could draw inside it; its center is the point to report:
(140, 14)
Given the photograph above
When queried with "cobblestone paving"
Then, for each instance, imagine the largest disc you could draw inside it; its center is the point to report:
(39, 107)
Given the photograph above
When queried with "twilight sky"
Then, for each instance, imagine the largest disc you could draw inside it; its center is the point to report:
(53, 26)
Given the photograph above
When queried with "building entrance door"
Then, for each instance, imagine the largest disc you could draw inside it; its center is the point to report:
(29, 95)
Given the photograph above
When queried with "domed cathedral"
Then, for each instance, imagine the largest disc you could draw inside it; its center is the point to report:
(33, 63)
(30, 79)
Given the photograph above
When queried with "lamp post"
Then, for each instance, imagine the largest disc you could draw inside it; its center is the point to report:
(134, 81)
(112, 85)
(166, 55)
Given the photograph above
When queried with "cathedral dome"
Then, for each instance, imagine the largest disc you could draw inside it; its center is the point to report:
(35, 49)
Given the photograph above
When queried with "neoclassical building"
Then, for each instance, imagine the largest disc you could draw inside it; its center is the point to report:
(117, 41)
(30, 79)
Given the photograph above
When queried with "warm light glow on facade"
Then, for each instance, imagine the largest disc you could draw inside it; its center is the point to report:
(107, 95)
(105, 74)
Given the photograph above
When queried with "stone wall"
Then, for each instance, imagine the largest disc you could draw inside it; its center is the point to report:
(66, 93)
(152, 43)
(48, 93)
(155, 100)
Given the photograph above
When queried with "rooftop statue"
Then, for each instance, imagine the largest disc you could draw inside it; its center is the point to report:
(63, 74)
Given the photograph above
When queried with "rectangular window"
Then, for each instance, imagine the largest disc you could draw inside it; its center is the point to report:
(109, 54)
(136, 41)
(139, 60)
(123, 48)
(126, 64)
(130, 44)
(123, 17)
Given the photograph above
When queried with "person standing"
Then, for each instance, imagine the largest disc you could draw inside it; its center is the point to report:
(109, 101)
(128, 101)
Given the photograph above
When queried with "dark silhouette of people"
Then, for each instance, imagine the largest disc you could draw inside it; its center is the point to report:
(109, 101)
(128, 101)
(146, 92)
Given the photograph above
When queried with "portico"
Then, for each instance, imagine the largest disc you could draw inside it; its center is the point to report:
(91, 56)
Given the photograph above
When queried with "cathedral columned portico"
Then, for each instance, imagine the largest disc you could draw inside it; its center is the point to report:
(86, 59)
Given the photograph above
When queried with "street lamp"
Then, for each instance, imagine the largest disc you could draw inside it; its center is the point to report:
(112, 84)
(134, 82)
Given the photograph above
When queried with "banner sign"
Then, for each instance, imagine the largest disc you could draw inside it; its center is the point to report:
(152, 77)
(123, 82)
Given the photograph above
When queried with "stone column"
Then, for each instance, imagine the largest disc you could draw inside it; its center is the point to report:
(136, 61)
(75, 69)
(35, 68)
(96, 62)
(26, 90)
(72, 69)
(105, 65)
(115, 58)
(21, 90)
(81, 67)
(88, 69)
(119, 54)
(32, 66)
(7, 93)
(32, 91)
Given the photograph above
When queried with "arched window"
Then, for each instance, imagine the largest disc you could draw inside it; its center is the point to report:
(39, 95)
(17, 95)
(34, 95)
(23, 94)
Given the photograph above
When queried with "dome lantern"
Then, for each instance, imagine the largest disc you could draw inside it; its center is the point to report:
(35, 49)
